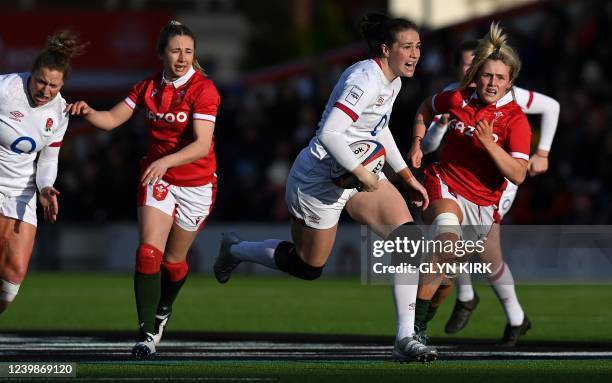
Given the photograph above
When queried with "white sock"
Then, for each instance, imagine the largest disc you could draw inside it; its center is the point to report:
(257, 252)
(465, 291)
(502, 283)
(404, 297)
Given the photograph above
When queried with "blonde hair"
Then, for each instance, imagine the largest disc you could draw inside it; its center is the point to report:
(493, 47)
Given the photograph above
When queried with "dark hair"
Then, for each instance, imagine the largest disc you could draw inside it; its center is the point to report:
(175, 28)
(378, 29)
(60, 49)
(468, 45)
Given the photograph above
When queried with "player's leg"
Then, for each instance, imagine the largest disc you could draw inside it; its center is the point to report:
(193, 207)
(385, 211)
(444, 217)
(174, 270)
(155, 220)
(16, 244)
(315, 208)
(502, 283)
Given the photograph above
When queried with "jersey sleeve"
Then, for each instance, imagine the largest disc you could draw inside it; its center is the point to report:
(519, 137)
(441, 102)
(358, 93)
(537, 103)
(206, 104)
(46, 165)
(135, 98)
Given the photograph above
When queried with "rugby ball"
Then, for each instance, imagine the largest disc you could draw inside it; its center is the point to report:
(371, 154)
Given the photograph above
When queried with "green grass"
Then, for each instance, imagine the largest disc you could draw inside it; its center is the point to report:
(361, 371)
(71, 301)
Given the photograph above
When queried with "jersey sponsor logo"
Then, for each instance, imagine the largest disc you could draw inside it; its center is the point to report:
(380, 101)
(16, 115)
(354, 95)
(48, 124)
(160, 191)
(468, 130)
(168, 117)
(23, 145)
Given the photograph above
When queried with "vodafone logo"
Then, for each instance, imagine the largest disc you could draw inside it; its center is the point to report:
(467, 130)
(168, 117)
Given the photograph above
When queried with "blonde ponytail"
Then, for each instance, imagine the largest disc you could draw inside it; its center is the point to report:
(493, 47)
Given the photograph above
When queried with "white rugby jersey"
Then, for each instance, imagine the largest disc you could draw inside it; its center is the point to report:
(24, 132)
(366, 96)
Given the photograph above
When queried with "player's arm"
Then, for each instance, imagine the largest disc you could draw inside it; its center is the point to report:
(332, 137)
(46, 174)
(423, 118)
(199, 148)
(399, 166)
(537, 103)
(513, 164)
(102, 119)
(435, 134)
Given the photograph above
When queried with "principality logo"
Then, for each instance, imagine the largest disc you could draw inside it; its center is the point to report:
(16, 116)
(49, 124)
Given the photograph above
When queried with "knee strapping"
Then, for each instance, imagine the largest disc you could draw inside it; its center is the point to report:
(288, 260)
(175, 271)
(8, 290)
(148, 259)
(445, 223)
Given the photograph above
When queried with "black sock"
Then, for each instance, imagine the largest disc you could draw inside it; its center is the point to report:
(147, 290)
(169, 292)
(420, 313)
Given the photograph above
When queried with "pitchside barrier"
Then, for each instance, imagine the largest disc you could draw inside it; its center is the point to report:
(534, 253)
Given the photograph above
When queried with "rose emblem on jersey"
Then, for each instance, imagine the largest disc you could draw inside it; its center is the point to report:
(160, 191)
(48, 124)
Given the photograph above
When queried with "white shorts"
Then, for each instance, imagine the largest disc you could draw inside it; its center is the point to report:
(21, 207)
(312, 197)
(190, 206)
(507, 199)
(477, 220)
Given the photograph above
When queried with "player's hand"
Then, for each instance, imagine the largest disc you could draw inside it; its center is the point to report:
(484, 132)
(415, 155)
(48, 201)
(368, 180)
(154, 172)
(418, 194)
(79, 108)
(537, 165)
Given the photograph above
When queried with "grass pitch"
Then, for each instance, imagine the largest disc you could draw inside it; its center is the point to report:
(82, 301)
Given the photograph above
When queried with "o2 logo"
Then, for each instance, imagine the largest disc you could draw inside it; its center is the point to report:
(381, 124)
(23, 145)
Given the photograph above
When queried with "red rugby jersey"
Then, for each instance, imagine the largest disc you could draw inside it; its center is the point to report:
(465, 166)
(170, 110)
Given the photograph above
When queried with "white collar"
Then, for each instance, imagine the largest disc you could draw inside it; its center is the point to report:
(181, 80)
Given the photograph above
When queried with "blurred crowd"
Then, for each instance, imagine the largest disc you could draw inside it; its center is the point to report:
(565, 48)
